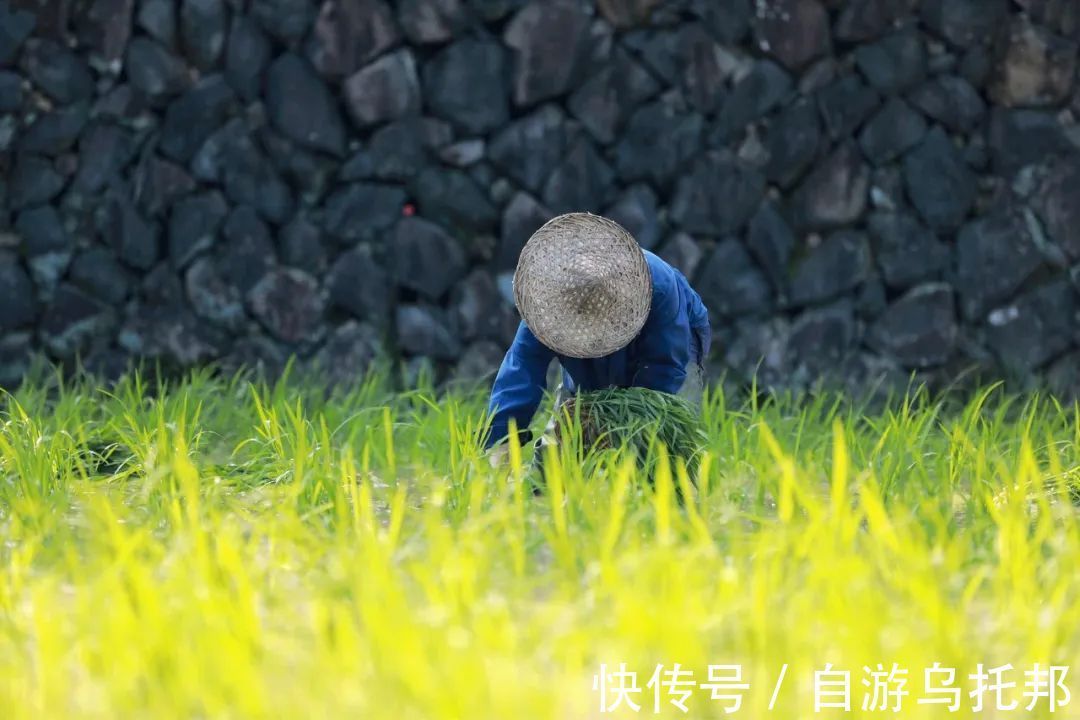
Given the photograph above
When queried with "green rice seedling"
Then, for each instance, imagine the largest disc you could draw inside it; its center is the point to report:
(214, 547)
(638, 419)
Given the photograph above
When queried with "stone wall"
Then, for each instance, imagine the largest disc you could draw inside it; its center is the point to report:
(858, 188)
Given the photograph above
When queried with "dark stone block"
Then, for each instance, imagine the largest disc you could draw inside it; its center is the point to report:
(134, 239)
(731, 285)
(97, 272)
(658, 142)
(1057, 202)
(522, 217)
(478, 364)
(951, 101)
(453, 199)
(55, 132)
(1063, 377)
(965, 22)
(757, 352)
(42, 231)
(792, 141)
(158, 183)
(662, 51)
(105, 149)
(119, 103)
(202, 31)
(57, 71)
(15, 27)
(306, 172)
(250, 179)
(771, 242)
(360, 166)
(494, 10)
(465, 83)
(74, 321)
(153, 70)
(894, 130)
(209, 162)
(845, 104)
(683, 253)
(361, 210)
(425, 258)
(604, 102)
(582, 181)
(478, 312)
(288, 303)
(835, 193)
(212, 297)
(819, 342)
(170, 334)
(940, 184)
(528, 150)
(636, 210)
(919, 329)
(190, 119)
(16, 354)
(158, 19)
(105, 27)
(838, 265)
(401, 149)
(862, 20)
(424, 330)
(1035, 328)
(286, 20)
(248, 251)
(694, 207)
(18, 305)
(906, 251)
(246, 57)
(301, 106)
(384, 90)
(894, 63)
(793, 31)
(994, 256)
(624, 14)
(431, 21)
(1023, 137)
(11, 92)
(1038, 69)
(350, 33)
(766, 87)
(359, 285)
(700, 76)
(348, 354)
(193, 226)
(871, 297)
(300, 245)
(726, 20)
(549, 41)
(33, 182)
(464, 153)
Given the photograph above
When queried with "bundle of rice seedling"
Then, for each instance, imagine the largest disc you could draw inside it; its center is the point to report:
(636, 418)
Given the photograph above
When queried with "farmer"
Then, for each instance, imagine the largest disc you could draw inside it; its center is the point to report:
(613, 314)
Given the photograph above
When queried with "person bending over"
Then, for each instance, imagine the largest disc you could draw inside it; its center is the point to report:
(612, 313)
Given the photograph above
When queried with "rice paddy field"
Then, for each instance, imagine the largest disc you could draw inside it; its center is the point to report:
(222, 548)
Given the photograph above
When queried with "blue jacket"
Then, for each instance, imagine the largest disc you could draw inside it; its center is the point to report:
(675, 334)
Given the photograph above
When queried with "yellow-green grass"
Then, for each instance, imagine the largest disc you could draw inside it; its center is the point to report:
(218, 548)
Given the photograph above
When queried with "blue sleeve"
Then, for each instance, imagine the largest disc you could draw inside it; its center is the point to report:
(519, 386)
(664, 342)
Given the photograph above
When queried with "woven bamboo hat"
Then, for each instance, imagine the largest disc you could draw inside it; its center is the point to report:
(583, 286)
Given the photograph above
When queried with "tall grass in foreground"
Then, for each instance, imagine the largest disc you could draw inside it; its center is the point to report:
(216, 548)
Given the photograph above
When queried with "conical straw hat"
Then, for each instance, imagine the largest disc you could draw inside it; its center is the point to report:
(583, 286)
